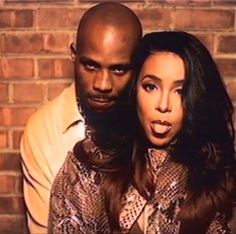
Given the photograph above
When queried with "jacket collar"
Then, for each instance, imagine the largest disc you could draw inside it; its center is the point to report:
(171, 177)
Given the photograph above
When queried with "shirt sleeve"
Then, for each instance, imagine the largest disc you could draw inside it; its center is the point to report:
(49, 134)
(37, 179)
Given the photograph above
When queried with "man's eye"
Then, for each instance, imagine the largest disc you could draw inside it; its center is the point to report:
(120, 70)
(90, 67)
(149, 87)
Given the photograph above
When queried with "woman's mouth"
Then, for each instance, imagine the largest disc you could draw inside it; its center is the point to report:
(160, 127)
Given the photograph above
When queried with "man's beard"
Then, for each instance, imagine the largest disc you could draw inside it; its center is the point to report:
(111, 127)
(107, 117)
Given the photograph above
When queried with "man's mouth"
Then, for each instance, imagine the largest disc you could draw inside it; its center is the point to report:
(100, 103)
(160, 127)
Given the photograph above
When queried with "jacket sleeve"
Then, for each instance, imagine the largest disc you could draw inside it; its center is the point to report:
(64, 212)
(219, 225)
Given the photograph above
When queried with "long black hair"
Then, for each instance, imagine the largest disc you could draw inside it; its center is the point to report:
(205, 142)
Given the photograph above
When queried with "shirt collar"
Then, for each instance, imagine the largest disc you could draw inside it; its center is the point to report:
(71, 114)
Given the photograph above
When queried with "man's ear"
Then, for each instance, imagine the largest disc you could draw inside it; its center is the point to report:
(73, 51)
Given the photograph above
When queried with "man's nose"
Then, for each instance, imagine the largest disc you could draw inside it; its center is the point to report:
(103, 81)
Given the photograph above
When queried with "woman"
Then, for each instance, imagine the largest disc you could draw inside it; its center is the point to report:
(180, 176)
(186, 115)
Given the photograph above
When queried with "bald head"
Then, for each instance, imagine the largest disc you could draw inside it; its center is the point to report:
(107, 37)
(110, 15)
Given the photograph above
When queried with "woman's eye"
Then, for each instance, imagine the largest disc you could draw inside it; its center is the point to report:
(179, 91)
(149, 87)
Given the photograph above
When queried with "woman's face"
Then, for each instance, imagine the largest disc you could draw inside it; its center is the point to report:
(159, 101)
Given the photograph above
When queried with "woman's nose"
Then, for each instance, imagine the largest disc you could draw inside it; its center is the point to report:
(163, 104)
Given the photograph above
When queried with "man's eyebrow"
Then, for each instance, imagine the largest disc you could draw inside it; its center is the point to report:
(125, 66)
(85, 60)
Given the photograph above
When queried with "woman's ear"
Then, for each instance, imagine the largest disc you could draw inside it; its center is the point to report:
(73, 51)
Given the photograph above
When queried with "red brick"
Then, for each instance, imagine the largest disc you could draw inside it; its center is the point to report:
(14, 224)
(204, 19)
(16, 68)
(55, 68)
(36, 43)
(153, 18)
(3, 92)
(1, 35)
(16, 18)
(30, 92)
(23, 43)
(5, 18)
(10, 162)
(227, 44)
(19, 185)
(38, 1)
(16, 139)
(49, 18)
(192, 2)
(227, 67)
(11, 205)
(24, 18)
(224, 2)
(57, 42)
(9, 184)
(55, 89)
(231, 87)
(3, 139)
(207, 40)
(15, 116)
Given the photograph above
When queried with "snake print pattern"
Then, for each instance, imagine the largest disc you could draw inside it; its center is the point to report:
(77, 203)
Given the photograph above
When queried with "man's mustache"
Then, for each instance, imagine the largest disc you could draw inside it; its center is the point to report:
(104, 97)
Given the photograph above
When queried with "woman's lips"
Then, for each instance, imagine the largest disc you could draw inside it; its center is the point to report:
(159, 127)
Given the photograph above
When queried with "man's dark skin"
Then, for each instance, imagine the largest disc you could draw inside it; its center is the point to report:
(106, 41)
(107, 37)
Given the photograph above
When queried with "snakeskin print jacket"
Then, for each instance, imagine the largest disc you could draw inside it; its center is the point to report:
(77, 203)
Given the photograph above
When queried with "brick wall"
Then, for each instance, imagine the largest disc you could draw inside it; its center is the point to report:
(35, 66)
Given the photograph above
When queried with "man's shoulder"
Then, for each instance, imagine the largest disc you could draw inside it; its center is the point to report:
(73, 172)
(68, 173)
(54, 110)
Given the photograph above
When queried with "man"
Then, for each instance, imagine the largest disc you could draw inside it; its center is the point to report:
(102, 55)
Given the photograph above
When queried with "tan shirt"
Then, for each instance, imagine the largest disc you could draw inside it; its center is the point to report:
(50, 133)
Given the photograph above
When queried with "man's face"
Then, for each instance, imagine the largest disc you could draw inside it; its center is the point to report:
(103, 68)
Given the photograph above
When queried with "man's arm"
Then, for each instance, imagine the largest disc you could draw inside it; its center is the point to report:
(50, 133)
(37, 178)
